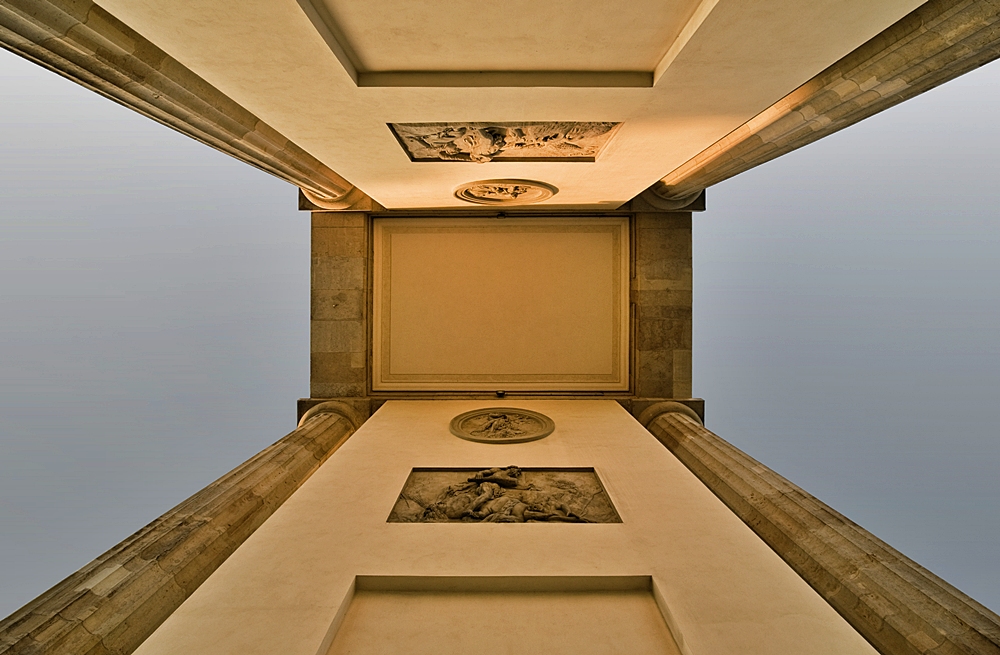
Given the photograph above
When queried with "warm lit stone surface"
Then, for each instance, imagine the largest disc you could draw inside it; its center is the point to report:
(739, 88)
(724, 590)
(437, 357)
(457, 495)
(661, 299)
(338, 327)
(269, 57)
(549, 620)
(661, 291)
(514, 304)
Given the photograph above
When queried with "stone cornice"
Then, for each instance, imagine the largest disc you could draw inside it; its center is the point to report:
(900, 607)
(81, 41)
(933, 44)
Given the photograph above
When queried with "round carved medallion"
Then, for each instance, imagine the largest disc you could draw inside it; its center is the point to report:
(502, 425)
(505, 192)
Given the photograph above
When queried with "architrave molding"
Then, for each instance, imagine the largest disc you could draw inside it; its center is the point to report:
(931, 45)
(84, 43)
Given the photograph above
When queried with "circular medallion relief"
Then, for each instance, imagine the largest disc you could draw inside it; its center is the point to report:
(502, 425)
(505, 192)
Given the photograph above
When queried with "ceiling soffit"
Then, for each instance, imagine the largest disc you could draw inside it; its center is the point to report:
(742, 58)
(392, 43)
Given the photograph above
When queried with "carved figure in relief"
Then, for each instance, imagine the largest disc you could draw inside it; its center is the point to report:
(485, 142)
(505, 477)
(501, 191)
(485, 498)
(506, 494)
(464, 143)
(500, 426)
(506, 509)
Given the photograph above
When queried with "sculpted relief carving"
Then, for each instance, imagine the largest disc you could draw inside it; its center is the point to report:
(485, 142)
(503, 495)
(505, 192)
(501, 425)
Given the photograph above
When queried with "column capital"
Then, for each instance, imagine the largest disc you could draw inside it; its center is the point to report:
(660, 198)
(332, 407)
(653, 412)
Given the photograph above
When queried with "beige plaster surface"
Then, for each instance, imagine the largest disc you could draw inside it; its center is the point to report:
(515, 304)
(742, 57)
(661, 293)
(529, 35)
(505, 623)
(724, 590)
(338, 317)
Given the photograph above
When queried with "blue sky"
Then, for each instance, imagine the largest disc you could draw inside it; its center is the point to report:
(154, 302)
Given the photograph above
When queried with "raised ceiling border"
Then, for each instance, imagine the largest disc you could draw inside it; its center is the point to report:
(699, 16)
(339, 44)
(470, 79)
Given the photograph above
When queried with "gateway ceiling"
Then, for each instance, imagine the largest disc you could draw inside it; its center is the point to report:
(332, 75)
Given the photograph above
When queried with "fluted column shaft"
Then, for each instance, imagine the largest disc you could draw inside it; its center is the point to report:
(83, 42)
(112, 604)
(935, 43)
(900, 607)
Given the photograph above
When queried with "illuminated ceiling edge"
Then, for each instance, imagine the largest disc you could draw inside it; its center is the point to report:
(935, 43)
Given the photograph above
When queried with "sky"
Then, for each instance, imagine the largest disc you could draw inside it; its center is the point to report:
(154, 308)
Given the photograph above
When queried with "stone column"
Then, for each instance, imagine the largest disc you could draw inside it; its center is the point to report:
(936, 42)
(661, 302)
(661, 297)
(110, 606)
(900, 607)
(83, 42)
(339, 307)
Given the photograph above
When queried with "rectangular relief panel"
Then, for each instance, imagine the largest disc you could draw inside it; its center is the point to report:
(553, 141)
(503, 495)
(480, 304)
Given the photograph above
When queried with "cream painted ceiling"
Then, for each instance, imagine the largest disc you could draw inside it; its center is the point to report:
(520, 35)
(678, 74)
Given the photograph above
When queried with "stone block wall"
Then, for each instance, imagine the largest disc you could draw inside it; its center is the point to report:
(661, 305)
(339, 305)
(661, 297)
